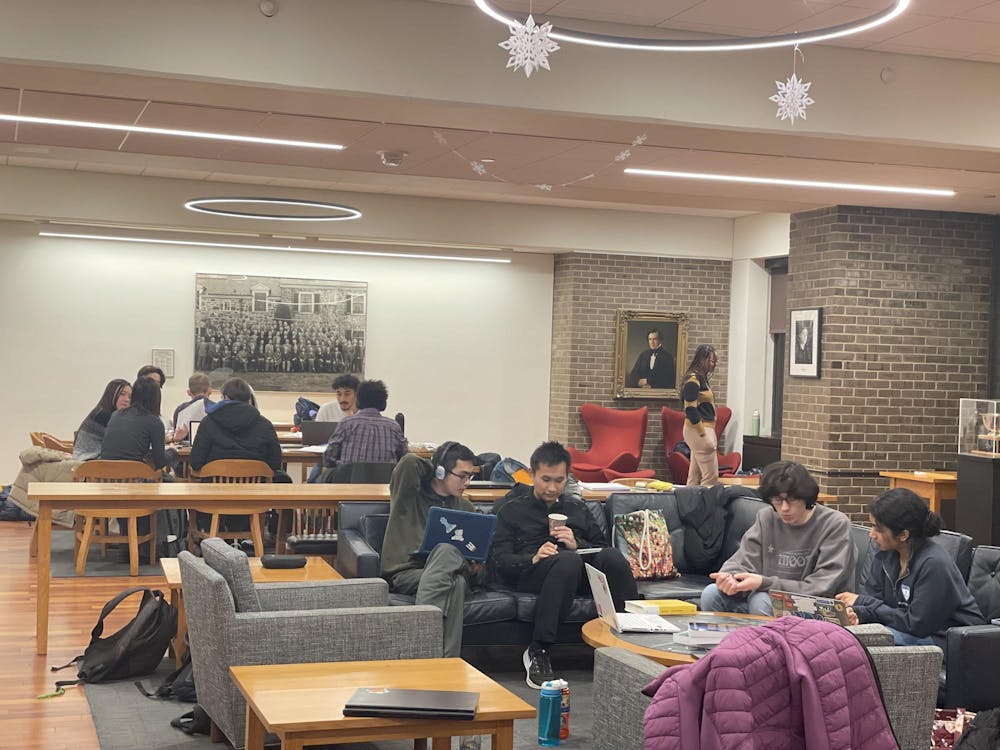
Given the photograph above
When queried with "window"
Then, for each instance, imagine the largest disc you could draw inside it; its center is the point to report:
(259, 300)
(307, 302)
(358, 304)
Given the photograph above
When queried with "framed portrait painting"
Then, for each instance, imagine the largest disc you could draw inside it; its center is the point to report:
(650, 348)
(804, 343)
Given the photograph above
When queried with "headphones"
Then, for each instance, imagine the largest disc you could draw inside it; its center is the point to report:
(439, 459)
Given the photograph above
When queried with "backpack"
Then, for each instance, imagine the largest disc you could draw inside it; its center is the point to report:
(983, 733)
(178, 685)
(305, 410)
(135, 650)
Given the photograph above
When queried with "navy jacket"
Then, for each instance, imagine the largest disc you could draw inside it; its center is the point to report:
(928, 600)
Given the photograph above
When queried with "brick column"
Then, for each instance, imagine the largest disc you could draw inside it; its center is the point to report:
(906, 309)
(589, 289)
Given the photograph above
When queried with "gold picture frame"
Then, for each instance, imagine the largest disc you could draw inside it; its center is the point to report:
(633, 332)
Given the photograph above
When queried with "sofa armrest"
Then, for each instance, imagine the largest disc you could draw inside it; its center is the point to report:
(909, 679)
(872, 634)
(619, 677)
(356, 592)
(972, 658)
(355, 557)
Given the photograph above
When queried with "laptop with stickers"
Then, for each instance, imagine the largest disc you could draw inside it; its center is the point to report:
(470, 533)
(808, 606)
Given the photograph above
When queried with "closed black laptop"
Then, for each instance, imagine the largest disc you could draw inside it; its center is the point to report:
(420, 704)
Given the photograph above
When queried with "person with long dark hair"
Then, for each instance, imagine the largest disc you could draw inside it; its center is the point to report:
(136, 433)
(915, 588)
(90, 435)
(699, 418)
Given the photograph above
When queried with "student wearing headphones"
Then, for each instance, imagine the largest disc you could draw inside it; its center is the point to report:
(795, 545)
(444, 577)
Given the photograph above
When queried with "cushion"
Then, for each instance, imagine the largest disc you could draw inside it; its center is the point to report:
(984, 580)
(373, 529)
(232, 565)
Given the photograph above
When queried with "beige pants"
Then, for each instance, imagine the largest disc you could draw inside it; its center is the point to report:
(704, 468)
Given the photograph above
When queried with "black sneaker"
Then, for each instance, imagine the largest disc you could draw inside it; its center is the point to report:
(538, 667)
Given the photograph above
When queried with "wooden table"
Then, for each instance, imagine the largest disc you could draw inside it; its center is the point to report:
(933, 485)
(598, 633)
(289, 455)
(316, 569)
(255, 498)
(303, 703)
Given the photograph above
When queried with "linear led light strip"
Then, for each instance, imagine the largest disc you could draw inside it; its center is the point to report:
(171, 131)
(711, 45)
(279, 248)
(792, 183)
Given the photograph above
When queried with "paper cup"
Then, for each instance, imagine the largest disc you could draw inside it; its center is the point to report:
(556, 520)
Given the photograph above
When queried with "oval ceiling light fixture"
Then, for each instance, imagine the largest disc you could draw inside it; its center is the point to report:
(728, 44)
(340, 213)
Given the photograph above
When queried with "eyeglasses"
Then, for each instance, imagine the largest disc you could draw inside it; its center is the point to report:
(777, 502)
(463, 476)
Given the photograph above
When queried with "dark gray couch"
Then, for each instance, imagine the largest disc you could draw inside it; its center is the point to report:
(498, 615)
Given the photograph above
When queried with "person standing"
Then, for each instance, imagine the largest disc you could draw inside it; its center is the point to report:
(699, 418)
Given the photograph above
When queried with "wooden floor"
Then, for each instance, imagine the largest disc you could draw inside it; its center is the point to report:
(62, 723)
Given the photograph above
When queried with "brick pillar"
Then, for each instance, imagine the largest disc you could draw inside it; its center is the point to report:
(906, 310)
(589, 289)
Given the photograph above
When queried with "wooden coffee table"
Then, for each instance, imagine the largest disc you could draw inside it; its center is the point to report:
(657, 646)
(303, 703)
(934, 485)
(316, 569)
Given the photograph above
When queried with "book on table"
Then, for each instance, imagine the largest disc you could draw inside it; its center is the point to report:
(660, 607)
(407, 703)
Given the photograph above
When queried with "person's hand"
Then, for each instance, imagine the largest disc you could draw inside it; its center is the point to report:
(725, 581)
(748, 582)
(852, 616)
(643, 383)
(180, 433)
(847, 598)
(564, 535)
(546, 550)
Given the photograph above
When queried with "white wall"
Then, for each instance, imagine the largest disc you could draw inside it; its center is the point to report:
(463, 347)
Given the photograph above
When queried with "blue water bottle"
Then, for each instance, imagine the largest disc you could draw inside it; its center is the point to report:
(549, 710)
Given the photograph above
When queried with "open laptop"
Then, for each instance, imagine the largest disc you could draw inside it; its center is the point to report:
(406, 703)
(193, 426)
(623, 622)
(470, 533)
(317, 433)
(808, 606)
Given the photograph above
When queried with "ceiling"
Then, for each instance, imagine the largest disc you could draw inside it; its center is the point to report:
(540, 157)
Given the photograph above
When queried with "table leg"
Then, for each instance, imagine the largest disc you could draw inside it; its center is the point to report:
(441, 743)
(503, 738)
(254, 731)
(33, 545)
(420, 743)
(177, 600)
(44, 577)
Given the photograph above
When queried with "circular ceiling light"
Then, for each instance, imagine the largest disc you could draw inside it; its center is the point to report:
(727, 44)
(327, 211)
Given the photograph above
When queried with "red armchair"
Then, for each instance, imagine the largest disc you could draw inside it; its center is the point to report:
(673, 433)
(616, 439)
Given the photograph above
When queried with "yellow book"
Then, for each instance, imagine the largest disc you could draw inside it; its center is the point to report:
(660, 607)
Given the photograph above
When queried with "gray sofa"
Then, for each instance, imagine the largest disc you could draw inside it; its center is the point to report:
(498, 615)
(232, 621)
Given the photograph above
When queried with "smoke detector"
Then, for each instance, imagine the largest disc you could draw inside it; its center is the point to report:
(268, 7)
(392, 158)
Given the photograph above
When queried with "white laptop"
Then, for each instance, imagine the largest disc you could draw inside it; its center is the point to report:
(623, 622)
(193, 426)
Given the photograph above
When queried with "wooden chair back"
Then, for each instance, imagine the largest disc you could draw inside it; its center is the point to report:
(45, 440)
(37, 440)
(235, 471)
(115, 471)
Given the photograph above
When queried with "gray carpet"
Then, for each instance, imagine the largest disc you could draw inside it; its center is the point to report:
(64, 562)
(125, 719)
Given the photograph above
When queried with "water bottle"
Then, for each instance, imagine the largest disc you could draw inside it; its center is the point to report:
(755, 423)
(549, 714)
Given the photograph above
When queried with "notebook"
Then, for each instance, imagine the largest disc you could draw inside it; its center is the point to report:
(317, 433)
(623, 622)
(421, 704)
(808, 606)
(470, 533)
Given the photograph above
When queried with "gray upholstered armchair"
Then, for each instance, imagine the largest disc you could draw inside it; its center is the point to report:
(232, 621)
(908, 675)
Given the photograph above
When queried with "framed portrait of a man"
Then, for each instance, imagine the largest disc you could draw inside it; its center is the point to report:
(804, 343)
(649, 354)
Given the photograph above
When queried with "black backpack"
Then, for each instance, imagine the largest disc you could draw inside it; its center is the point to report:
(983, 733)
(178, 685)
(135, 650)
(305, 410)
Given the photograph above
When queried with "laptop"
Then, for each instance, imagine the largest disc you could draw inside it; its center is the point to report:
(808, 606)
(623, 622)
(193, 426)
(405, 703)
(317, 433)
(470, 533)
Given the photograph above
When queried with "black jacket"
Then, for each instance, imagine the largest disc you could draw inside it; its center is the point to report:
(523, 527)
(928, 600)
(234, 429)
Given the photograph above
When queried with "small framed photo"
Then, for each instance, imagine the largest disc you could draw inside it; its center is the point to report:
(804, 343)
(650, 351)
(164, 359)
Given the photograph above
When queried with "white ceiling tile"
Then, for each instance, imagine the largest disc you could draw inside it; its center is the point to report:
(989, 12)
(953, 34)
(757, 16)
(638, 12)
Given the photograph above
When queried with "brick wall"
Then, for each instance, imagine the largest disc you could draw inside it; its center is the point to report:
(906, 310)
(589, 289)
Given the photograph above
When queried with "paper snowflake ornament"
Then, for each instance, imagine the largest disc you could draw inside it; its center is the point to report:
(529, 46)
(792, 98)
(478, 167)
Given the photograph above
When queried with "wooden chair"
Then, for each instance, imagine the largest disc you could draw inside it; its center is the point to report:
(45, 440)
(92, 527)
(229, 471)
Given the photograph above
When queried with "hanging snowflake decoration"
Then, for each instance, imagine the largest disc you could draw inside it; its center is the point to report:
(478, 167)
(529, 46)
(792, 98)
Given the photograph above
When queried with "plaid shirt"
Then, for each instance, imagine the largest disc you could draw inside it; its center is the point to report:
(365, 437)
